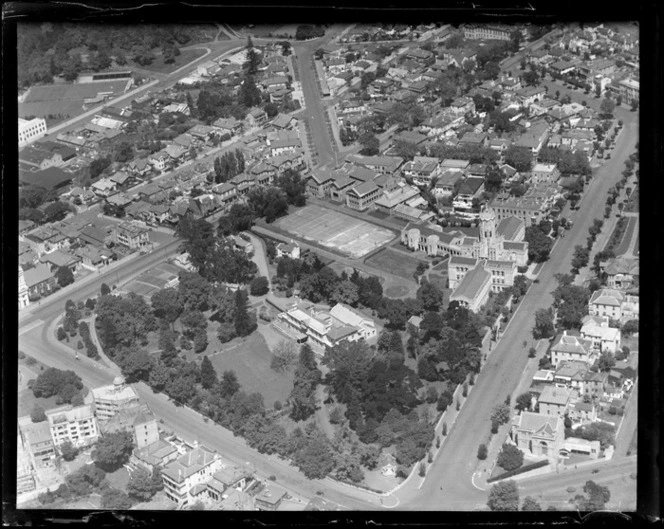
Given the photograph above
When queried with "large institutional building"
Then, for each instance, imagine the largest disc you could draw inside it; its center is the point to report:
(29, 131)
(477, 265)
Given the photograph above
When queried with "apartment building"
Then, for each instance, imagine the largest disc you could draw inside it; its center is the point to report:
(78, 425)
(109, 399)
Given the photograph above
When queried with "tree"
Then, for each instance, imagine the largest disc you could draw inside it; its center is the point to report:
(208, 374)
(510, 457)
(345, 292)
(544, 327)
(634, 105)
(61, 334)
(86, 479)
(167, 304)
(53, 381)
(64, 276)
(504, 496)
(530, 504)
(113, 450)
(259, 286)
(244, 323)
(630, 327)
(105, 289)
(501, 414)
(307, 378)
(249, 94)
(523, 402)
(115, 499)
(606, 108)
(200, 342)
(519, 157)
(142, 486)
(37, 414)
(429, 295)
(292, 183)
(369, 143)
(284, 355)
(539, 245)
(482, 452)
(315, 460)
(597, 496)
(68, 451)
(228, 385)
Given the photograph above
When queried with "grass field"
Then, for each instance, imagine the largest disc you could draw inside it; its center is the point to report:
(397, 263)
(64, 99)
(396, 291)
(185, 57)
(251, 362)
(351, 236)
(632, 205)
(623, 246)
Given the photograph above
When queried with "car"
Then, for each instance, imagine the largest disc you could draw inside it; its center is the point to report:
(594, 471)
(536, 281)
(571, 489)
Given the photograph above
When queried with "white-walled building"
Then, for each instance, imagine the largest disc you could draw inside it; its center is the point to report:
(29, 131)
(109, 399)
(605, 339)
(77, 425)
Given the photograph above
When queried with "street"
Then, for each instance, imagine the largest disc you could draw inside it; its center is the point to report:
(503, 369)
(448, 484)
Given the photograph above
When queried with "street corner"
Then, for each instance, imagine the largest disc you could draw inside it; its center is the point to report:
(478, 479)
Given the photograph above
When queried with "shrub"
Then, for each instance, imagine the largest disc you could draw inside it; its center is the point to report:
(482, 452)
(494, 427)
(21, 355)
(510, 457)
(38, 414)
(444, 432)
(422, 469)
(520, 470)
(79, 345)
(62, 334)
(259, 286)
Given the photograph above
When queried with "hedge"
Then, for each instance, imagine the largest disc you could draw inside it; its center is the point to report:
(520, 470)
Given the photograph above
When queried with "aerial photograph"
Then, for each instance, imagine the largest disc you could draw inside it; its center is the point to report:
(328, 267)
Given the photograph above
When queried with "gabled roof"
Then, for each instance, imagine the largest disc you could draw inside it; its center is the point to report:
(538, 424)
(509, 227)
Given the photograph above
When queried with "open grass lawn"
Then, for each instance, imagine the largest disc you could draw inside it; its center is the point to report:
(27, 401)
(627, 238)
(251, 362)
(397, 263)
(185, 57)
(119, 478)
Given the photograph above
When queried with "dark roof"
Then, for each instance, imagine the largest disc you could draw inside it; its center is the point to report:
(48, 178)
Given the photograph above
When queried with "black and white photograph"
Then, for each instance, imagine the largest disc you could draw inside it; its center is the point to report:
(344, 266)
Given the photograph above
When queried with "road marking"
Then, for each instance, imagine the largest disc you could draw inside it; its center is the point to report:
(29, 327)
(472, 480)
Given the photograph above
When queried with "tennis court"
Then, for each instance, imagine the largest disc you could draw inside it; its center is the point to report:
(348, 235)
(152, 280)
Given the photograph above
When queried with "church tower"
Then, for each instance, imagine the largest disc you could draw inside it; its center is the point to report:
(23, 300)
(487, 234)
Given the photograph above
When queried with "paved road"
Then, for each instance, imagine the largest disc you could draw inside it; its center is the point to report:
(612, 473)
(503, 369)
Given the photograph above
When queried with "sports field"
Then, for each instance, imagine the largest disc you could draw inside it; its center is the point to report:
(332, 229)
(65, 99)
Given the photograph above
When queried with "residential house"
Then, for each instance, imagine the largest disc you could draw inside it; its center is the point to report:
(39, 280)
(194, 468)
(228, 126)
(581, 412)
(621, 273)
(446, 183)
(422, 169)
(270, 498)
(104, 187)
(61, 258)
(545, 173)
(604, 339)
(155, 455)
(131, 235)
(595, 384)
(381, 164)
(256, 117)
(473, 139)
(291, 250)
(530, 94)
(555, 400)
(470, 189)
(606, 302)
(394, 197)
(40, 159)
(226, 194)
(78, 425)
(567, 347)
(140, 167)
(284, 122)
(94, 258)
(462, 105)
(531, 211)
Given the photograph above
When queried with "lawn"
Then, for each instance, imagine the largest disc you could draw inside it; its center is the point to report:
(632, 205)
(439, 281)
(185, 57)
(250, 359)
(394, 262)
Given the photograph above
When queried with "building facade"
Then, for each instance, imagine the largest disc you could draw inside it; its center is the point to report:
(109, 399)
(78, 425)
(29, 131)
